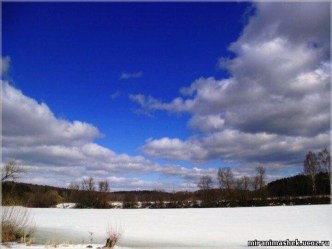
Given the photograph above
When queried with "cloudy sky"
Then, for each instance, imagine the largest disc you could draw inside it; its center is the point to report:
(155, 95)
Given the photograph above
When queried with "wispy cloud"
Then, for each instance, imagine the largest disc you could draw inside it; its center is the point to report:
(134, 75)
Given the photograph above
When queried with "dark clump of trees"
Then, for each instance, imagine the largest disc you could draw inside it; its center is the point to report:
(86, 194)
(314, 181)
(206, 194)
(233, 191)
(31, 195)
(299, 185)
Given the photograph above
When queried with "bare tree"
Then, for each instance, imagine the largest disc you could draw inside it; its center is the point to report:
(311, 168)
(243, 183)
(324, 159)
(238, 184)
(260, 176)
(11, 170)
(104, 186)
(205, 183)
(225, 178)
(88, 184)
(88, 197)
(246, 182)
(241, 193)
(74, 186)
(75, 195)
(255, 182)
(104, 190)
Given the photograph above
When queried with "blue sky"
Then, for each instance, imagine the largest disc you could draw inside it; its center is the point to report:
(175, 84)
(77, 52)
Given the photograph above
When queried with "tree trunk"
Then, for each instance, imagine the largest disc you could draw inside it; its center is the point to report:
(313, 179)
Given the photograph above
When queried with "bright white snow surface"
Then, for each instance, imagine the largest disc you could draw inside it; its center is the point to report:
(66, 205)
(186, 228)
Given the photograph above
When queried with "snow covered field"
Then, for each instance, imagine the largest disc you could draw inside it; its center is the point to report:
(185, 228)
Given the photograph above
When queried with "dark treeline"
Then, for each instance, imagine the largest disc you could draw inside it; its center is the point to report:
(299, 185)
(291, 190)
(32, 195)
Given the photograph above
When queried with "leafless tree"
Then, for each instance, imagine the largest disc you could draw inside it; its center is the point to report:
(88, 196)
(74, 186)
(241, 193)
(74, 192)
(246, 182)
(243, 183)
(260, 176)
(88, 184)
(205, 183)
(11, 170)
(104, 190)
(255, 182)
(225, 178)
(104, 186)
(238, 184)
(311, 168)
(324, 159)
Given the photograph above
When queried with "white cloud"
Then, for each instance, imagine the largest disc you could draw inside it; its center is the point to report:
(4, 66)
(57, 151)
(27, 121)
(207, 123)
(134, 75)
(173, 148)
(297, 22)
(274, 107)
(234, 145)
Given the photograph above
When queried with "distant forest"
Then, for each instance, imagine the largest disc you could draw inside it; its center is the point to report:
(293, 190)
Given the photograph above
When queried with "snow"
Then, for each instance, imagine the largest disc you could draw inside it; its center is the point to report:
(66, 205)
(183, 228)
(60, 246)
(116, 204)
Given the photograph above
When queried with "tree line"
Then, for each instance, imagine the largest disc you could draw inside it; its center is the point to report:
(234, 191)
(231, 191)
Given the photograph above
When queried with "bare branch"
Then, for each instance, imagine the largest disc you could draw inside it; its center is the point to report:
(11, 170)
(310, 165)
(225, 178)
(205, 182)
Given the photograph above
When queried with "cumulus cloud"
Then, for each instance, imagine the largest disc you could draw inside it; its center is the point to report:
(274, 107)
(174, 148)
(31, 123)
(57, 151)
(134, 75)
(234, 145)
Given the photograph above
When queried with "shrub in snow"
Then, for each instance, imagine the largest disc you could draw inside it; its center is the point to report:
(113, 236)
(16, 223)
